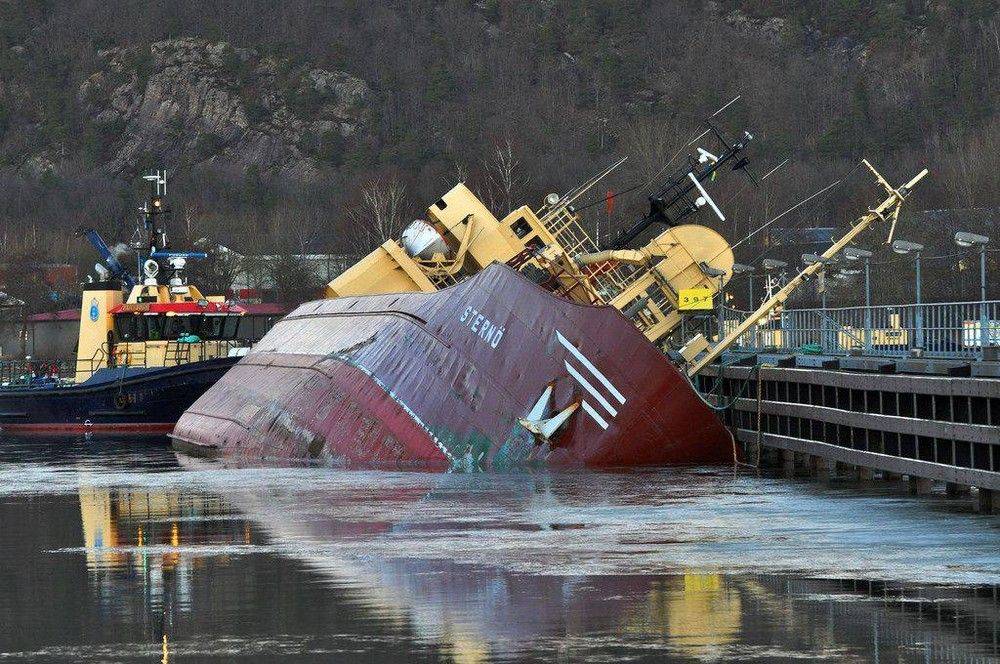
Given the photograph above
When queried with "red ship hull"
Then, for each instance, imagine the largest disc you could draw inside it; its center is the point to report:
(443, 380)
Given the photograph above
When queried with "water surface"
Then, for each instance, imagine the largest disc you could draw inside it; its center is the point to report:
(109, 547)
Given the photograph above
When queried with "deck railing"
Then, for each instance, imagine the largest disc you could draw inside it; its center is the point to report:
(16, 372)
(20, 372)
(954, 330)
(174, 353)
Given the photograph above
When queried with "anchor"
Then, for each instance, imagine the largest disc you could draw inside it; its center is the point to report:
(544, 427)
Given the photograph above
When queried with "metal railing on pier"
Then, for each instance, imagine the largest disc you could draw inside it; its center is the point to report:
(950, 330)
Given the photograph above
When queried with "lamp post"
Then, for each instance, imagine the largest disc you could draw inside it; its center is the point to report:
(904, 248)
(855, 254)
(740, 268)
(772, 272)
(712, 273)
(967, 240)
(809, 259)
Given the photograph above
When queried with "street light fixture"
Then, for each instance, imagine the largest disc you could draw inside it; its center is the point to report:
(740, 268)
(771, 264)
(809, 259)
(968, 240)
(903, 247)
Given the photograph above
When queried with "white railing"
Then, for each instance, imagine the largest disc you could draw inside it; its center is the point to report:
(945, 330)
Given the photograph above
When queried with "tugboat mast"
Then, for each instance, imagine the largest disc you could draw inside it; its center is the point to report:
(157, 244)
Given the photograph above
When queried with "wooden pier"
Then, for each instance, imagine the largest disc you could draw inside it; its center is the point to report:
(923, 427)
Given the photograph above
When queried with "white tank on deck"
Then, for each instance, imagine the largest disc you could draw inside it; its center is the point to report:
(421, 240)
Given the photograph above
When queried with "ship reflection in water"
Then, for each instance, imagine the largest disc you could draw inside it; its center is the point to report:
(119, 551)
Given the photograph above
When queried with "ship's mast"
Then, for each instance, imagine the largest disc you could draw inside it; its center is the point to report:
(157, 243)
(887, 210)
(684, 194)
(152, 208)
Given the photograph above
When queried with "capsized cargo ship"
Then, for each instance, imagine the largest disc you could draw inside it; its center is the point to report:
(478, 343)
(493, 372)
(145, 351)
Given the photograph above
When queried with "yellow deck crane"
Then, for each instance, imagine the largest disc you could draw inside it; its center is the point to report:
(887, 211)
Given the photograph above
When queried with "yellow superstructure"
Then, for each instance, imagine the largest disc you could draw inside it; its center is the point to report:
(552, 248)
(141, 331)
(96, 326)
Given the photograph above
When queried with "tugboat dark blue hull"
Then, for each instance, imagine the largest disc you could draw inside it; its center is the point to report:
(121, 399)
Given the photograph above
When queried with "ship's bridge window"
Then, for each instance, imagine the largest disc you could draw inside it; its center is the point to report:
(131, 327)
(521, 227)
(218, 327)
(127, 327)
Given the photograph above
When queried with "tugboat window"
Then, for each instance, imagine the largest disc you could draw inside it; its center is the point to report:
(175, 326)
(211, 327)
(232, 327)
(127, 327)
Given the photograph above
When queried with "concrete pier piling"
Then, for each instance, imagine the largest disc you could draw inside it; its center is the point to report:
(953, 489)
(788, 463)
(824, 423)
(988, 501)
(826, 469)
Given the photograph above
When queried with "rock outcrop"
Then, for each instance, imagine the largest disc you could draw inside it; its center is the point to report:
(191, 101)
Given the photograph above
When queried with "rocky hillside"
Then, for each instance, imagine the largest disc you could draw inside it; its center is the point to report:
(303, 126)
(189, 101)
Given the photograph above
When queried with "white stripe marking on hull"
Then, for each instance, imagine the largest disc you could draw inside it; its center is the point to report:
(590, 388)
(594, 414)
(590, 366)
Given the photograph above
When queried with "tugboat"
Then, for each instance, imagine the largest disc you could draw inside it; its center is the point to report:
(145, 350)
(482, 343)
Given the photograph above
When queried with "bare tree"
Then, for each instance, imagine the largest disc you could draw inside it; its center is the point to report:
(379, 215)
(503, 171)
